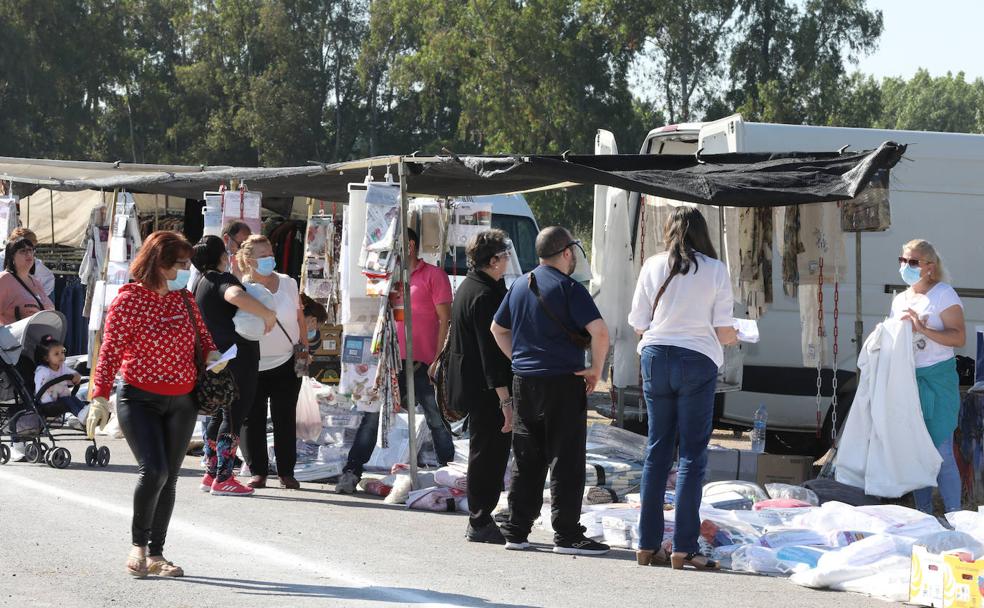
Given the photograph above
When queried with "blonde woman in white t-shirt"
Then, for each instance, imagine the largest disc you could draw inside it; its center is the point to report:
(938, 327)
(683, 309)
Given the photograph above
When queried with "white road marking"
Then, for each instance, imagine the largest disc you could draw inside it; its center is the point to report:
(227, 543)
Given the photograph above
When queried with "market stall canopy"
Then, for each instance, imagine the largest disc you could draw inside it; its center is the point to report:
(740, 180)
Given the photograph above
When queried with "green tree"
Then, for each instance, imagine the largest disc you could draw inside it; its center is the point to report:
(923, 103)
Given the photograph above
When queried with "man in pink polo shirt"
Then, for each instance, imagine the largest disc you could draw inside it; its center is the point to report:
(430, 305)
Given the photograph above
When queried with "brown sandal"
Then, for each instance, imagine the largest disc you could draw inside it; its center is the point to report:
(161, 567)
(695, 560)
(136, 566)
(645, 557)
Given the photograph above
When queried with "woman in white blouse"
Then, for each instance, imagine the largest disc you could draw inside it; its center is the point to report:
(683, 309)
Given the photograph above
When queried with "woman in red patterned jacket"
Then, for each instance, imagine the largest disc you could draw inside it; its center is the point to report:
(150, 335)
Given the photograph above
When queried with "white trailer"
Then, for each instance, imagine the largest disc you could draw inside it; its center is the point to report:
(936, 193)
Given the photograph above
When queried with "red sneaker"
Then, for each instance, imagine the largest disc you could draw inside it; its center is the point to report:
(230, 487)
(207, 482)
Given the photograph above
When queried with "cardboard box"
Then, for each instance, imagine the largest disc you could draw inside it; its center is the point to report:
(722, 464)
(331, 340)
(962, 582)
(942, 580)
(746, 465)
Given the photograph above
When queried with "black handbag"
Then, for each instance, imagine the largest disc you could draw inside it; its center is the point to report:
(212, 391)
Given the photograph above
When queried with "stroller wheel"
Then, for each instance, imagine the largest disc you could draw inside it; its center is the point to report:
(44, 451)
(4, 453)
(90, 456)
(59, 458)
(102, 456)
(32, 453)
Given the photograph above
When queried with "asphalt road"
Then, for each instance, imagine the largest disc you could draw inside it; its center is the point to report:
(64, 536)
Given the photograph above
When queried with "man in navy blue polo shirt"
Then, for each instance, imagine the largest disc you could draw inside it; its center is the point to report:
(544, 326)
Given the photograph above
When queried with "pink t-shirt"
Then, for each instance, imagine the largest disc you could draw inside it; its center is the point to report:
(18, 303)
(429, 287)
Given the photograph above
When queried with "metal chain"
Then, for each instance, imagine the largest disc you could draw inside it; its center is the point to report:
(820, 335)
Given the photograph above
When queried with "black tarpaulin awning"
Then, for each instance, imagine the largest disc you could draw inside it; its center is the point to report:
(740, 180)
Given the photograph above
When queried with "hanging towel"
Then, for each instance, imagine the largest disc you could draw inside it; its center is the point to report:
(939, 397)
(885, 447)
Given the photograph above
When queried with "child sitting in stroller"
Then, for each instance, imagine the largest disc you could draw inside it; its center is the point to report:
(58, 399)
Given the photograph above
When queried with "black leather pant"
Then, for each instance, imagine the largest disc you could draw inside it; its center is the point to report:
(158, 429)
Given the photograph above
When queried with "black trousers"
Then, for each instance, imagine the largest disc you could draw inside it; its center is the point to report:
(488, 456)
(158, 429)
(549, 432)
(280, 386)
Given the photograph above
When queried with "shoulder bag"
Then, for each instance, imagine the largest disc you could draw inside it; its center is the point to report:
(580, 338)
(212, 391)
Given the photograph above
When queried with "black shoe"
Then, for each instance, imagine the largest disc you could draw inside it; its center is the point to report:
(488, 533)
(581, 546)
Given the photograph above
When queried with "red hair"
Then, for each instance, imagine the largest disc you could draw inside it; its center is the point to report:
(160, 251)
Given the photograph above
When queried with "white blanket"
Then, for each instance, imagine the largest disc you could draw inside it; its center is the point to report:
(885, 447)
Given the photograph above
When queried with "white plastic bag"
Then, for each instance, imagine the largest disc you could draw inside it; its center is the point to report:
(749, 490)
(249, 325)
(308, 414)
(761, 560)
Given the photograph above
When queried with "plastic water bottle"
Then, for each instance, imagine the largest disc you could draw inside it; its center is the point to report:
(758, 429)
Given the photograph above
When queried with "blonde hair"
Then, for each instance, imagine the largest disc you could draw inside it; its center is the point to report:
(245, 252)
(928, 253)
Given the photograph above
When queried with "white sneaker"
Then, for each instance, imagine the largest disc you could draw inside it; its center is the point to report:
(517, 545)
(347, 483)
(73, 422)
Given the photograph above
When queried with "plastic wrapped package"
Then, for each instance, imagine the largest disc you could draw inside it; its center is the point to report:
(437, 499)
(612, 439)
(621, 528)
(717, 533)
(785, 490)
(620, 475)
(723, 554)
(952, 540)
(781, 503)
(843, 538)
(761, 560)
(889, 582)
(402, 485)
(970, 522)
(343, 421)
(791, 537)
(749, 490)
(452, 476)
(729, 501)
(895, 519)
(797, 554)
(864, 558)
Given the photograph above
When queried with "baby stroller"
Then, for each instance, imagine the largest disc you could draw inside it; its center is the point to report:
(21, 411)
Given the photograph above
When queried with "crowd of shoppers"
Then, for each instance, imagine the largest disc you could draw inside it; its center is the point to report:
(520, 364)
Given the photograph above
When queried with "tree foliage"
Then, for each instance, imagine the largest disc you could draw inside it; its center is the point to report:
(287, 81)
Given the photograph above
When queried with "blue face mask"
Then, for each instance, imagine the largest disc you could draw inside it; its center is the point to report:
(909, 274)
(312, 334)
(180, 281)
(265, 266)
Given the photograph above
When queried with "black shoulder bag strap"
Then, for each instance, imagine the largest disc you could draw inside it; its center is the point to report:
(199, 355)
(34, 295)
(580, 339)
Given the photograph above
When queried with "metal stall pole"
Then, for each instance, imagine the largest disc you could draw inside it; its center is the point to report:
(858, 316)
(408, 371)
(51, 203)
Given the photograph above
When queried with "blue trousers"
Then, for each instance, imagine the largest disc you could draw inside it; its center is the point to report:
(678, 385)
(948, 481)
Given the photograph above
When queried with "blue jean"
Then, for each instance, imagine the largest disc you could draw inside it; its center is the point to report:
(365, 436)
(678, 385)
(948, 482)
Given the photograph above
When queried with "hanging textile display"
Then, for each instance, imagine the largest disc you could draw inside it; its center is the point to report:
(8, 217)
(755, 254)
(212, 212)
(113, 248)
(467, 220)
(792, 246)
(822, 261)
(870, 211)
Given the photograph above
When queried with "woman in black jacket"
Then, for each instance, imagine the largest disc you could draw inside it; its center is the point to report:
(479, 377)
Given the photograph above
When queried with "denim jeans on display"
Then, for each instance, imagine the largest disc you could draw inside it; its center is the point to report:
(678, 386)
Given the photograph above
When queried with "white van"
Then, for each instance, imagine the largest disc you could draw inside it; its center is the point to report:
(936, 193)
(512, 214)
